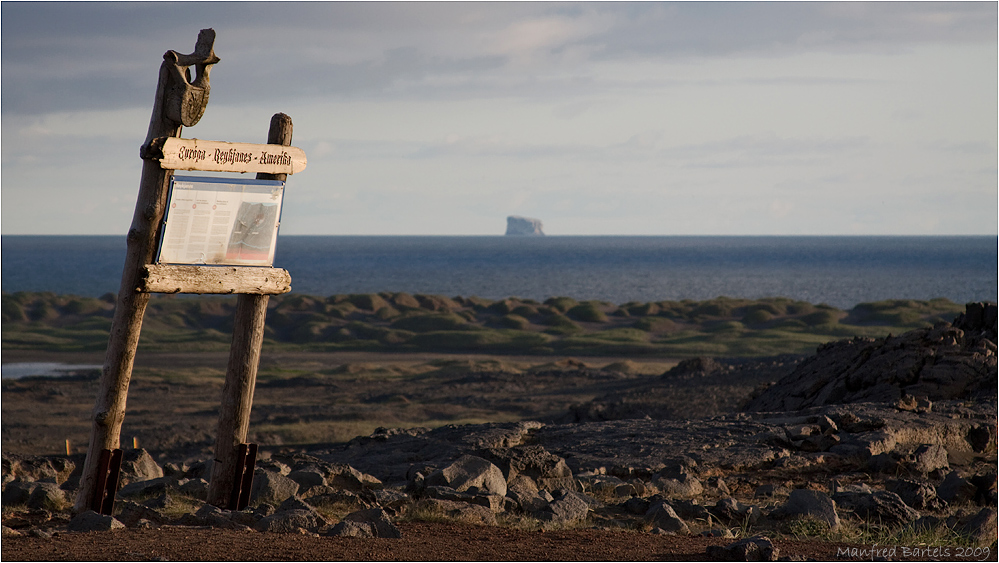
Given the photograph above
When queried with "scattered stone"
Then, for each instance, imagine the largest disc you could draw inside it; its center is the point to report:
(308, 478)
(808, 503)
(341, 476)
(720, 484)
(195, 488)
(981, 529)
(734, 512)
(928, 459)
(18, 493)
(90, 521)
(688, 510)
(147, 488)
(915, 494)
(209, 515)
(459, 511)
(378, 519)
(493, 502)
(879, 507)
(392, 500)
(683, 485)
(291, 521)
(662, 515)
(956, 489)
(131, 513)
(883, 463)
(986, 488)
(757, 548)
(566, 509)
(138, 465)
(548, 470)
(352, 529)
(271, 487)
(470, 471)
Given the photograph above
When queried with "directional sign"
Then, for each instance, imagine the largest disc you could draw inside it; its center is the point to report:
(219, 156)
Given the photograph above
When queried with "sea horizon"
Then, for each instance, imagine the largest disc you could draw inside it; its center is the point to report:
(838, 270)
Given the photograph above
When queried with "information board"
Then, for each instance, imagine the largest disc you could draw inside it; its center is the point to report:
(221, 221)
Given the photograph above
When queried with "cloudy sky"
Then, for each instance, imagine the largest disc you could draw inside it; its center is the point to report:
(598, 118)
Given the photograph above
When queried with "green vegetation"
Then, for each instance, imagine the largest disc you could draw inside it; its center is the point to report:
(408, 323)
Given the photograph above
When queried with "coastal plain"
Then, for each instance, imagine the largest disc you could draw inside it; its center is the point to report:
(639, 427)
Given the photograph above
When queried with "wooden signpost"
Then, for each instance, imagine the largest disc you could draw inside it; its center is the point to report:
(181, 102)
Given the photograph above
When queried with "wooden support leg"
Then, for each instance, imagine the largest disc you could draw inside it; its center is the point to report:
(244, 356)
(237, 395)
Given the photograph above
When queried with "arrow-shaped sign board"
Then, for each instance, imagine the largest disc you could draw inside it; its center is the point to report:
(219, 156)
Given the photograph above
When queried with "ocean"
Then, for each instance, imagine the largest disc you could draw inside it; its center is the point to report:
(838, 271)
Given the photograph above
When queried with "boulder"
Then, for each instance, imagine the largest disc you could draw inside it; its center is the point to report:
(291, 521)
(195, 488)
(341, 476)
(209, 515)
(493, 502)
(392, 500)
(138, 465)
(662, 515)
(470, 471)
(307, 478)
(981, 529)
(90, 521)
(956, 489)
(17, 493)
(522, 490)
(47, 496)
(690, 510)
(459, 511)
(683, 485)
(131, 513)
(147, 488)
(928, 459)
(985, 484)
(880, 507)
(352, 529)
(757, 548)
(803, 503)
(548, 470)
(916, 494)
(378, 519)
(273, 488)
(565, 509)
(52, 469)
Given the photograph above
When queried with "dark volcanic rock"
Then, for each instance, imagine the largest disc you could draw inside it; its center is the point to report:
(945, 362)
(757, 548)
(811, 504)
(879, 507)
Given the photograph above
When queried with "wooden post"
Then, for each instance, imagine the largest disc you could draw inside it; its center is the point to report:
(244, 357)
(178, 103)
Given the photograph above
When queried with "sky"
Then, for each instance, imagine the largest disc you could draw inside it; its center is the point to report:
(648, 118)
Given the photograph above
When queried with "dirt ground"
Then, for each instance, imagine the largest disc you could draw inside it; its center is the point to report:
(420, 542)
(178, 415)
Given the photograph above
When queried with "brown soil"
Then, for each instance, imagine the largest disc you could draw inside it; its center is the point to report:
(419, 542)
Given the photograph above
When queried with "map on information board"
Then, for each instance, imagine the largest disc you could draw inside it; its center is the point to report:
(221, 221)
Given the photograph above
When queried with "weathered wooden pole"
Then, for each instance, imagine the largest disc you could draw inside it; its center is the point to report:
(244, 357)
(179, 102)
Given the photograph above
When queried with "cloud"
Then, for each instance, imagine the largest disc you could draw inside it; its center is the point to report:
(60, 56)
